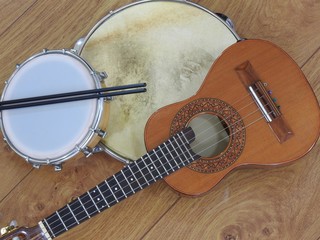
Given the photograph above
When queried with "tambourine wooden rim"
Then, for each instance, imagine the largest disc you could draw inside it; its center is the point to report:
(81, 44)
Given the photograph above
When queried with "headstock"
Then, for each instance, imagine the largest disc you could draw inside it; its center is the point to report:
(12, 232)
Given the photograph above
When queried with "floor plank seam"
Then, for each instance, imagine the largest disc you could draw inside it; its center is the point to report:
(18, 18)
(312, 55)
(16, 185)
(143, 236)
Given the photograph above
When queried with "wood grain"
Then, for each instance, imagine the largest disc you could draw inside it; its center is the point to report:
(262, 147)
(291, 24)
(282, 203)
(12, 10)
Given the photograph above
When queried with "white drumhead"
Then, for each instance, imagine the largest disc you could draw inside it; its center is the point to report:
(50, 133)
(170, 45)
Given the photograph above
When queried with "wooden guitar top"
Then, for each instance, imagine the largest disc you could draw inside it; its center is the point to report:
(252, 140)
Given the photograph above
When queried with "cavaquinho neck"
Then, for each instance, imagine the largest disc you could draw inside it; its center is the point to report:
(165, 159)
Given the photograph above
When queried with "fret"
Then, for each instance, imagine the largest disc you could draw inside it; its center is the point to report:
(78, 211)
(185, 150)
(115, 178)
(74, 216)
(88, 204)
(159, 160)
(146, 172)
(132, 178)
(146, 169)
(116, 189)
(48, 227)
(129, 184)
(83, 207)
(124, 184)
(44, 231)
(93, 202)
(149, 159)
(173, 154)
(169, 161)
(112, 192)
(67, 217)
(55, 224)
(177, 150)
(97, 198)
(107, 193)
(184, 136)
(142, 174)
(180, 145)
(158, 164)
(164, 160)
(138, 175)
(61, 220)
(105, 200)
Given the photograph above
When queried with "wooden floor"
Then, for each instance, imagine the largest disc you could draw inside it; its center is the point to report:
(282, 203)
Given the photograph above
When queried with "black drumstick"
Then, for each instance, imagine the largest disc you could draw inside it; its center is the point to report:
(72, 96)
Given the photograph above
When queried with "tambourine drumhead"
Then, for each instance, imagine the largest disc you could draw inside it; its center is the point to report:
(170, 45)
(51, 134)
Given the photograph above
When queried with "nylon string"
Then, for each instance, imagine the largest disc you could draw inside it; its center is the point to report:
(158, 159)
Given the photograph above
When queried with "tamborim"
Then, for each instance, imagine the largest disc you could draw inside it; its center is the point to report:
(51, 134)
(170, 45)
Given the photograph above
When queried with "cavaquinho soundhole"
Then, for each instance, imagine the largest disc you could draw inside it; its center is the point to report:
(219, 129)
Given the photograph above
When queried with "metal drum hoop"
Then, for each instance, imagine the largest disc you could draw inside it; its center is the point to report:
(89, 135)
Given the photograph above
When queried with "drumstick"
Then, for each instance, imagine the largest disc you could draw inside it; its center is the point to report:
(72, 96)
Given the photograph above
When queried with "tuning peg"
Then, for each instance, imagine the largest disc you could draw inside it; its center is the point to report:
(12, 225)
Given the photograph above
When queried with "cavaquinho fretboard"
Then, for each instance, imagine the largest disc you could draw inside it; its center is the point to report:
(158, 163)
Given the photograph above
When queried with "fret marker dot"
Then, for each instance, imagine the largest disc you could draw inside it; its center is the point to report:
(115, 188)
(131, 179)
(94, 191)
(151, 167)
(98, 199)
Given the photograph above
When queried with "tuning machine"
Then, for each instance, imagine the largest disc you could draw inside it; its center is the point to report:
(11, 227)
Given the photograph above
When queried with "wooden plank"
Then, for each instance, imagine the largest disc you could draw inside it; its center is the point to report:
(280, 203)
(51, 25)
(264, 204)
(44, 25)
(13, 170)
(290, 24)
(51, 190)
(251, 204)
(312, 72)
(10, 11)
(260, 204)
